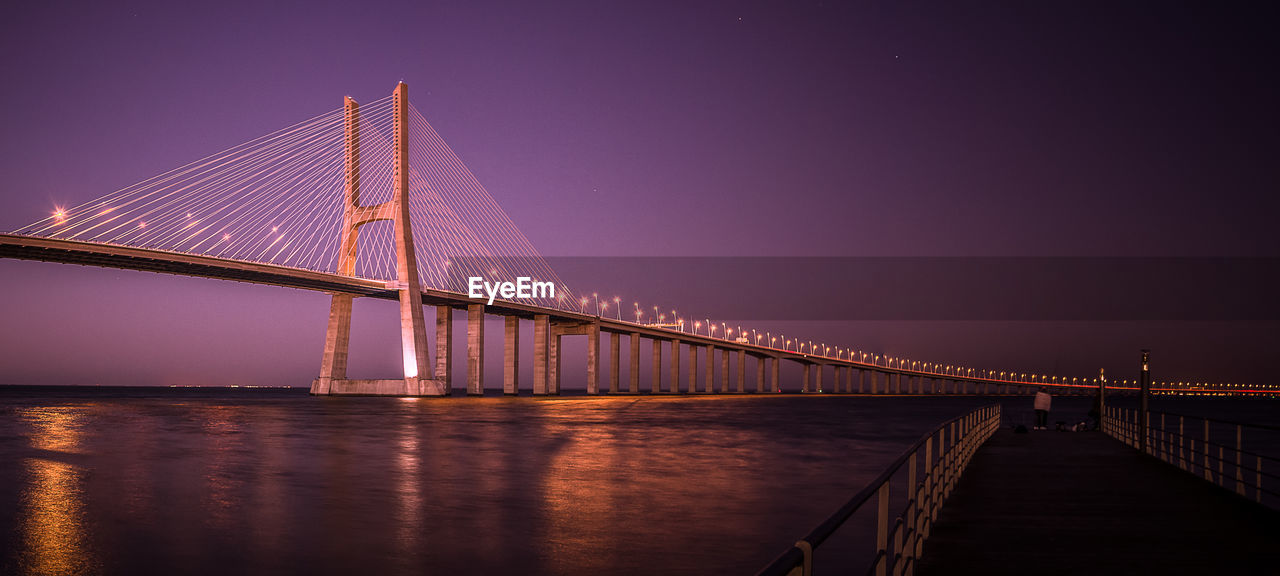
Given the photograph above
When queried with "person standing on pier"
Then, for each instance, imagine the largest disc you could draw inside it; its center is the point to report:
(1042, 402)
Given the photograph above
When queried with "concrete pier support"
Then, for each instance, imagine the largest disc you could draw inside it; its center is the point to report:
(475, 350)
(615, 356)
(675, 367)
(875, 382)
(553, 362)
(709, 383)
(633, 384)
(693, 369)
(656, 385)
(760, 363)
(742, 371)
(593, 358)
(862, 381)
(775, 365)
(835, 379)
(724, 371)
(333, 366)
(444, 347)
(511, 355)
(817, 377)
(804, 382)
(541, 339)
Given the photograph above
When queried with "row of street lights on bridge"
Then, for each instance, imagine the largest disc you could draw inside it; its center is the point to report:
(809, 347)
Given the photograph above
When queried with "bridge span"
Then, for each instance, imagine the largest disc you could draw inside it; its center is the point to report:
(671, 348)
(288, 208)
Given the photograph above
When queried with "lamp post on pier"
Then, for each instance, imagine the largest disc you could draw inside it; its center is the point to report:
(1144, 385)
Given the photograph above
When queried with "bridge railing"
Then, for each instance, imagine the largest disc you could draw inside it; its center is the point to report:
(929, 480)
(1208, 448)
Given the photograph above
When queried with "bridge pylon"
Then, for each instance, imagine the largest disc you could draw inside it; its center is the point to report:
(413, 336)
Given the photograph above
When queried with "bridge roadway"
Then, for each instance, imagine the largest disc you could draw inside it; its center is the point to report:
(562, 323)
(1059, 503)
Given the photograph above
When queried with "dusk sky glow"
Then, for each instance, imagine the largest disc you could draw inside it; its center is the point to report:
(719, 129)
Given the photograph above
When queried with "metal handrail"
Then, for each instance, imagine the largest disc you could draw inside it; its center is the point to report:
(1267, 427)
(911, 527)
(1195, 454)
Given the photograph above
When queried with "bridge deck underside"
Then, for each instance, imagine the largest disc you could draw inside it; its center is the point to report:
(184, 268)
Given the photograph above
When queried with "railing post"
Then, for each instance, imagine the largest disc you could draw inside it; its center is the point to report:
(1182, 442)
(944, 461)
(1164, 439)
(929, 475)
(1221, 456)
(1204, 458)
(1144, 389)
(1257, 487)
(882, 527)
(898, 534)
(913, 508)
(1239, 460)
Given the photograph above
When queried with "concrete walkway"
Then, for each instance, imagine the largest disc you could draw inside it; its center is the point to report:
(1055, 503)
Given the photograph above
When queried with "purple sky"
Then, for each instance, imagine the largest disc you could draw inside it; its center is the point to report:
(723, 129)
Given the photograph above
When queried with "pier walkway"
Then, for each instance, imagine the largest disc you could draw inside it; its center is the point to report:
(1061, 503)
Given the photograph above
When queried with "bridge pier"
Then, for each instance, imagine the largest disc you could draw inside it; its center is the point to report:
(615, 357)
(656, 385)
(475, 350)
(775, 365)
(541, 349)
(709, 380)
(553, 362)
(511, 355)
(675, 366)
(724, 371)
(804, 378)
(760, 363)
(562, 328)
(742, 371)
(633, 386)
(333, 366)
(693, 369)
(444, 347)
(817, 380)
(593, 357)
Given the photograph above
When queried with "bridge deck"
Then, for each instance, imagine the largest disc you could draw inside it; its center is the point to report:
(1048, 503)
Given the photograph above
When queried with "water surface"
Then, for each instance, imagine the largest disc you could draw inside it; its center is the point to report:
(131, 480)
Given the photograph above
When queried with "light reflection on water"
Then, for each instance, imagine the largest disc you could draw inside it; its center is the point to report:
(52, 522)
(279, 482)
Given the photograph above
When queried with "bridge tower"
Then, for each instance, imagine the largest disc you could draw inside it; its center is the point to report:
(413, 337)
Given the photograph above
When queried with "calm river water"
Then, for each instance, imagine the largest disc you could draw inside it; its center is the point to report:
(135, 480)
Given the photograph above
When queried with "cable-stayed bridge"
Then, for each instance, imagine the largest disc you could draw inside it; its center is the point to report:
(368, 201)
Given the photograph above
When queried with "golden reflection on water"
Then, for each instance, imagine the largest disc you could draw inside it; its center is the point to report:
(223, 489)
(409, 487)
(610, 489)
(52, 515)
